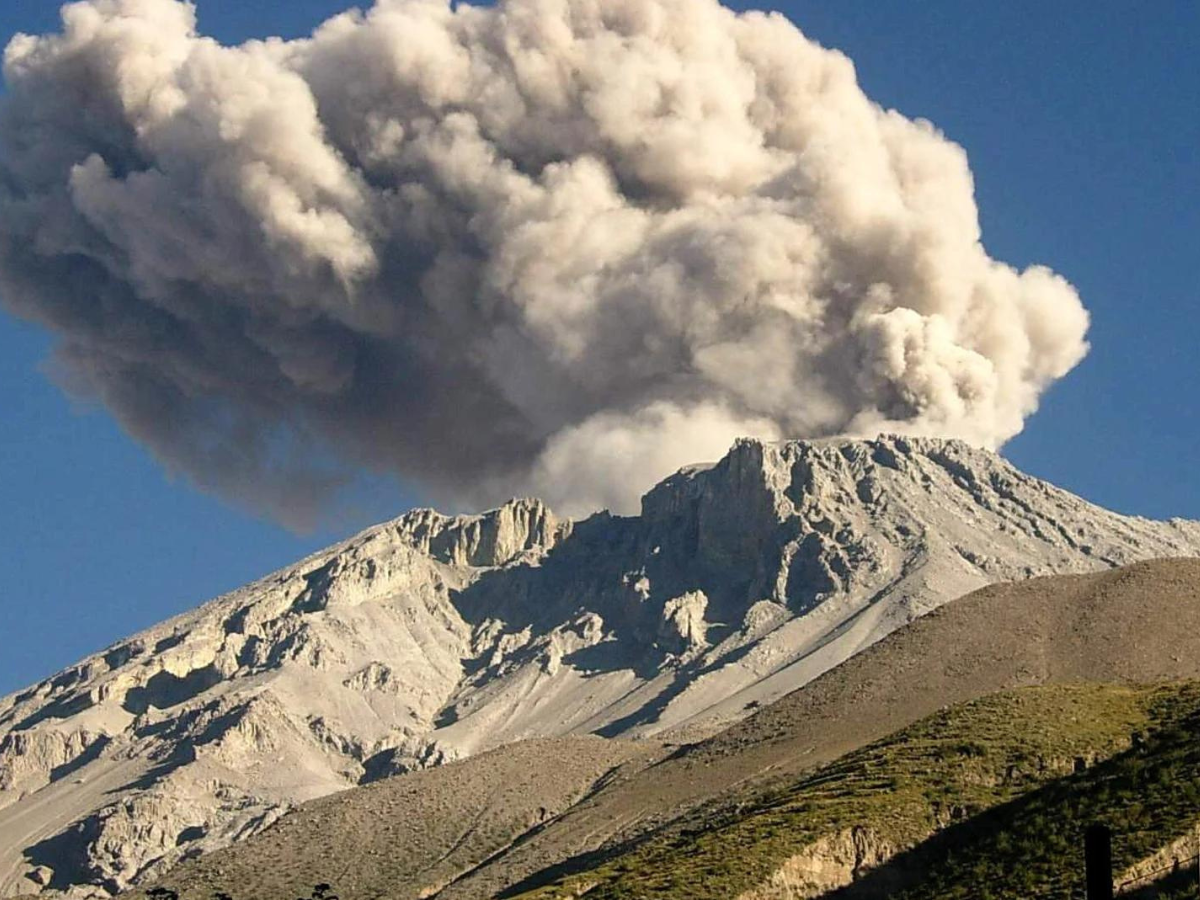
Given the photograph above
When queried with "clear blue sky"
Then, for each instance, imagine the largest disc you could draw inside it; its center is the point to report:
(1082, 125)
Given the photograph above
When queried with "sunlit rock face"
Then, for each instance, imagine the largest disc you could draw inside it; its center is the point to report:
(431, 637)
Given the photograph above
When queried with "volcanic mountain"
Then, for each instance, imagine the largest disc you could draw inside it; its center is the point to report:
(433, 638)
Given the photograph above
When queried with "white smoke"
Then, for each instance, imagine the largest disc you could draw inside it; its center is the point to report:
(552, 246)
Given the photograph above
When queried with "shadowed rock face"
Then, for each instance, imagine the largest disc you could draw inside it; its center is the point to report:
(432, 638)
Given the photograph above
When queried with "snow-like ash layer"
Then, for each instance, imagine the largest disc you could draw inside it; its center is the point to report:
(568, 245)
(430, 638)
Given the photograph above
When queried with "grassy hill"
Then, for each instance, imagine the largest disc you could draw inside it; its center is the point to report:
(988, 799)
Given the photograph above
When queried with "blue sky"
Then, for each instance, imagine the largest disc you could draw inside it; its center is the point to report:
(1080, 122)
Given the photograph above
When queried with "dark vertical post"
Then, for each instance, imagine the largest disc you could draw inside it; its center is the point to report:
(1098, 853)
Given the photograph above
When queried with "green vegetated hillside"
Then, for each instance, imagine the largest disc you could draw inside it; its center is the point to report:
(988, 799)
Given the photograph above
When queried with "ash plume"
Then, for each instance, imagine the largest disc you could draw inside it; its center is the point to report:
(558, 247)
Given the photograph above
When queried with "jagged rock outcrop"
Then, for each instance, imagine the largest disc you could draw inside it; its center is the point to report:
(494, 539)
(829, 863)
(683, 624)
(433, 638)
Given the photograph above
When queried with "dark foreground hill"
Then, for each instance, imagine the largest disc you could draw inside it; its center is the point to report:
(988, 799)
(1133, 626)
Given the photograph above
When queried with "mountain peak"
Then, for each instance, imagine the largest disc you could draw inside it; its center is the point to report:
(847, 515)
(493, 538)
(790, 469)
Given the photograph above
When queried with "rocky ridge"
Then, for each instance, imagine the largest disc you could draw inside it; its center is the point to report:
(431, 638)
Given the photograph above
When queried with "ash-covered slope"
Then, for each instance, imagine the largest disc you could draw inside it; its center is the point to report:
(431, 638)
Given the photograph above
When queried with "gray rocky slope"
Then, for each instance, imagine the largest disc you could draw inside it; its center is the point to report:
(432, 638)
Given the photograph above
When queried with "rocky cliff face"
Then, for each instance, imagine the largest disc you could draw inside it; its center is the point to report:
(433, 637)
(831, 862)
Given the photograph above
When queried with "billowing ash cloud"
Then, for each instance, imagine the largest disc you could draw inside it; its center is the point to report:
(555, 246)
